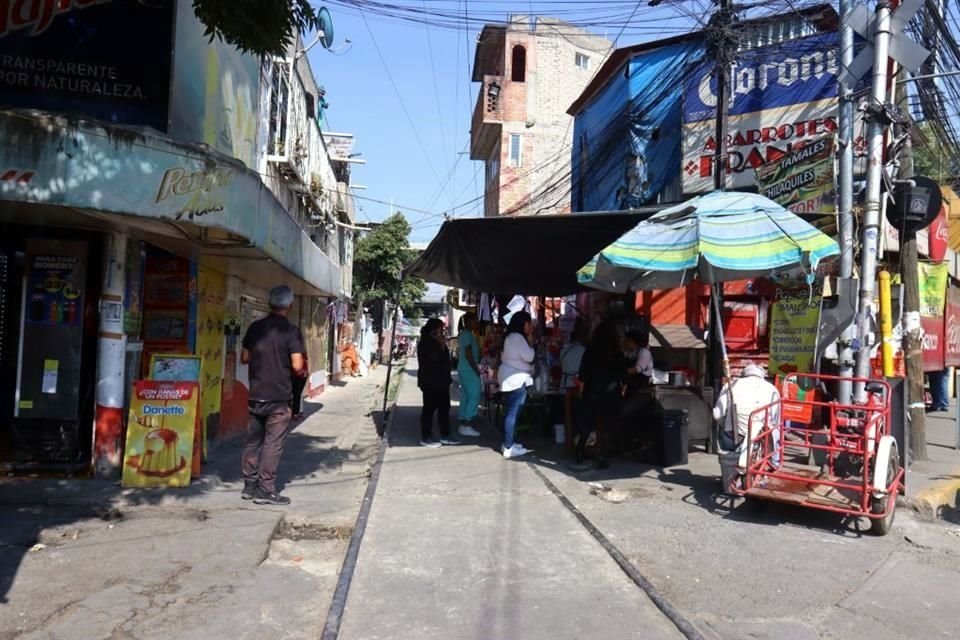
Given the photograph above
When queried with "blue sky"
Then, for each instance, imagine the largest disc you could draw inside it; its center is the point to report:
(410, 159)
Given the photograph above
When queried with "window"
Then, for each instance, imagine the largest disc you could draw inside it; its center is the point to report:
(518, 64)
(582, 61)
(516, 151)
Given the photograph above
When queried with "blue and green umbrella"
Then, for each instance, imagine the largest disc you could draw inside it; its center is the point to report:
(714, 238)
(717, 237)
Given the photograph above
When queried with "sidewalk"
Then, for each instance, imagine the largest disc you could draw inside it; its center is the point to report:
(85, 559)
(463, 544)
(933, 486)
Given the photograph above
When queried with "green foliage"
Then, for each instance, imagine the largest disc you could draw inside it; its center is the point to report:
(377, 261)
(932, 156)
(260, 27)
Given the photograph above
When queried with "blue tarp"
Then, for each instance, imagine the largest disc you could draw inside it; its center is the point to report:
(627, 139)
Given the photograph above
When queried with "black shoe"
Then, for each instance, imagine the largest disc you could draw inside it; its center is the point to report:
(274, 498)
(249, 491)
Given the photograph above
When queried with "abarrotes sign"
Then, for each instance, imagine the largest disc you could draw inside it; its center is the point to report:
(783, 97)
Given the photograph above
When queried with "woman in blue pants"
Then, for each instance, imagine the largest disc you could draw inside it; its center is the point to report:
(468, 370)
(515, 375)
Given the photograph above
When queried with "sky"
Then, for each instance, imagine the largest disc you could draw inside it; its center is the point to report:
(404, 90)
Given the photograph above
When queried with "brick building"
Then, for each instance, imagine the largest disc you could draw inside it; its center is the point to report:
(530, 70)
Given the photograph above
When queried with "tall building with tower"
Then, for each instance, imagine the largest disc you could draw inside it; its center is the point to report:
(530, 70)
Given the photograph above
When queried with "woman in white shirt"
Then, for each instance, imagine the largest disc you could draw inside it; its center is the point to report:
(515, 375)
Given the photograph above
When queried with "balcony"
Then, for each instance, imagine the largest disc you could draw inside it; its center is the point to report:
(487, 120)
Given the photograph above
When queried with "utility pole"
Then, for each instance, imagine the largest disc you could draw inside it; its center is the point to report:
(721, 41)
(845, 213)
(871, 215)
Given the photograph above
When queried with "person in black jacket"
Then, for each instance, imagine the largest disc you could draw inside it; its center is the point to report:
(433, 378)
(601, 373)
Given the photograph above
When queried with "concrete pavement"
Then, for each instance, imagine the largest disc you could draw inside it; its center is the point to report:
(464, 544)
(86, 559)
(933, 485)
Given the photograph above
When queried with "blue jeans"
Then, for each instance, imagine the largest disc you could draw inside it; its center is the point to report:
(513, 402)
(940, 389)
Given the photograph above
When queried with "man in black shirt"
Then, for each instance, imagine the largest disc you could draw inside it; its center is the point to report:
(273, 349)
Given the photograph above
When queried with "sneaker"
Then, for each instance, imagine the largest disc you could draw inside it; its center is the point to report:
(249, 491)
(468, 431)
(449, 441)
(273, 498)
(433, 444)
(516, 451)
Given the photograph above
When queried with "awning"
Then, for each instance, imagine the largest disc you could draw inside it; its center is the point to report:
(533, 255)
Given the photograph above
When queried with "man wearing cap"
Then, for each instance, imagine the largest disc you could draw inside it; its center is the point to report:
(273, 349)
(750, 392)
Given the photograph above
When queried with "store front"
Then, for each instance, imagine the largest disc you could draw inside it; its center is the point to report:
(49, 282)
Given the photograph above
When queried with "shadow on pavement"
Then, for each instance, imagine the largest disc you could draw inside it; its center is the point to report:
(30, 505)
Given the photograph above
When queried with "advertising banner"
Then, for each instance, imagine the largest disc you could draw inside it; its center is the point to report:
(794, 320)
(108, 59)
(803, 182)
(784, 97)
(933, 300)
(938, 237)
(952, 328)
(160, 434)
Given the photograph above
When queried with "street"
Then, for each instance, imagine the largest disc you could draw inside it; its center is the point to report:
(461, 543)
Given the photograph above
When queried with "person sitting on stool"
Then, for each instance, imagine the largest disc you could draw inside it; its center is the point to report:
(750, 392)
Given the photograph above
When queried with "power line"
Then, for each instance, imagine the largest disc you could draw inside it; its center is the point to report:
(396, 90)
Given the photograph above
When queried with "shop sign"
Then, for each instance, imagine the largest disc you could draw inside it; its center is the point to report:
(933, 298)
(952, 328)
(201, 192)
(938, 237)
(161, 428)
(339, 145)
(784, 97)
(793, 332)
(84, 57)
(803, 182)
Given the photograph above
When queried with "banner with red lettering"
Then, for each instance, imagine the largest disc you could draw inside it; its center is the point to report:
(952, 328)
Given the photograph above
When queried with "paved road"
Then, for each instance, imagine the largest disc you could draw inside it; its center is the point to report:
(462, 544)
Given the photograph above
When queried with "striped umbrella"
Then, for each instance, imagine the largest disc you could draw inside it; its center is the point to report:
(717, 237)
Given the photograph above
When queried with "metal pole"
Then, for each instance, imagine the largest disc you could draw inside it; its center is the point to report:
(845, 213)
(871, 215)
(956, 423)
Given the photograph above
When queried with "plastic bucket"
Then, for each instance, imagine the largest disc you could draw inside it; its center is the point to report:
(728, 470)
(560, 433)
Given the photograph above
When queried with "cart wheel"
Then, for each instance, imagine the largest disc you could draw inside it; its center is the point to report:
(882, 526)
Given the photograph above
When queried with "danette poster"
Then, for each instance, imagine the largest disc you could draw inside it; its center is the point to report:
(160, 434)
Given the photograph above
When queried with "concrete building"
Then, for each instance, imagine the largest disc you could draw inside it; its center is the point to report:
(153, 186)
(530, 70)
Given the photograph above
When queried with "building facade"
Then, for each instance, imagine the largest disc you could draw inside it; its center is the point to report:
(144, 211)
(529, 71)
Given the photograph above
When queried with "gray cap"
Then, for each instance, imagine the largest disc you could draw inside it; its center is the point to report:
(281, 297)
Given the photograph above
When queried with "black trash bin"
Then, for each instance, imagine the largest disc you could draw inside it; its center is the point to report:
(673, 436)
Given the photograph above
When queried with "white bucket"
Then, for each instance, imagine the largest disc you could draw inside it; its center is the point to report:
(560, 433)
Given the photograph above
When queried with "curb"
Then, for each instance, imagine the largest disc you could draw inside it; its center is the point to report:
(338, 605)
(934, 501)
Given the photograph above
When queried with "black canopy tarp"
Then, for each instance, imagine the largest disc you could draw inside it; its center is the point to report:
(533, 255)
